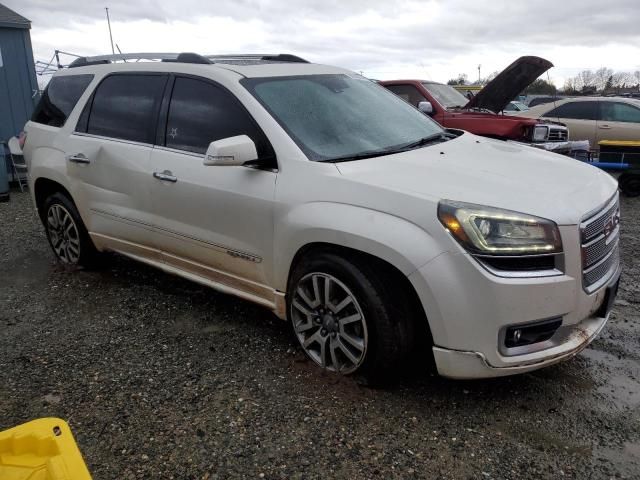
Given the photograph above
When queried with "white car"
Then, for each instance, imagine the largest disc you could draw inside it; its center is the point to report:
(322, 196)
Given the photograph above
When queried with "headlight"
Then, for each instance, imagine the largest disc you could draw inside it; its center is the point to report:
(492, 231)
(540, 133)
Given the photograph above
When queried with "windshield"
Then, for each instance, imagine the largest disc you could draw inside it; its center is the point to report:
(446, 95)
(338, 116)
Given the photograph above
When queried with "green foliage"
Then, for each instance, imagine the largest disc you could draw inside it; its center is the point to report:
(540, 87)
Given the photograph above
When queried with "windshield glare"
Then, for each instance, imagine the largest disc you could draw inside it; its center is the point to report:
(336, 116)
(446, 95)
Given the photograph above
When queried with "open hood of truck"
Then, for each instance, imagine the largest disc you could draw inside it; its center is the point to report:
(509, 83)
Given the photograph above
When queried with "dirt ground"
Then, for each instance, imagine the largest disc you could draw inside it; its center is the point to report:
(160, 378)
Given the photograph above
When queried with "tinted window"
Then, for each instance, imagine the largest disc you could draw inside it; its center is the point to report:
(59, 99)
(201, 113)
(126, 107)
(408, 93)
(619, 112)
(577, 110)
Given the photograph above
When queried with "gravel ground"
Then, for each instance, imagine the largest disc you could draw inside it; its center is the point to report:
(161, 378)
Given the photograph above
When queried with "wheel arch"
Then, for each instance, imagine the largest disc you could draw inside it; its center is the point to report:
(398, 279)
(43, 187)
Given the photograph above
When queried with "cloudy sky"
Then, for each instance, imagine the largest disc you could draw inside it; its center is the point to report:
(436, 39)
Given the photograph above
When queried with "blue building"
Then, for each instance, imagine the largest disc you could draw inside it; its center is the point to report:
(18, 84)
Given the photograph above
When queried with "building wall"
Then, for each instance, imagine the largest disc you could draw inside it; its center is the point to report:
(17, 81)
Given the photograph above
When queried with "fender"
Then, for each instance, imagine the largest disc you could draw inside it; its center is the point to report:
(397, 241)
(50, 163)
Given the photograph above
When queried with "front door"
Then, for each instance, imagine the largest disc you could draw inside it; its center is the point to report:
(214, 222)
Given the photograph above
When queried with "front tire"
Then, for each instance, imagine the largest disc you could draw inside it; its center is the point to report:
(349, 317)
(66, 232)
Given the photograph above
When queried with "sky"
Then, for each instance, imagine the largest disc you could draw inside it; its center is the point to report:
(428, 39)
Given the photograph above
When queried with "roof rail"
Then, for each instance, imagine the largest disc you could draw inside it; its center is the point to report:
(280, 57)
(185, 57)
(165, 57)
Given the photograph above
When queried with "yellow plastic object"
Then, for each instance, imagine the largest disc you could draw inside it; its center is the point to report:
(619, 143)
(41, 450)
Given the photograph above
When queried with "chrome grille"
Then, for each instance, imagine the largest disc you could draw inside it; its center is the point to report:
(595, 225)
(600, 270)
(558, 134)
(600, 236)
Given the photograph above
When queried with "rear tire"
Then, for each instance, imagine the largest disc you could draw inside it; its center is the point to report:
(67, 235)
(349, 316)
(629, 184)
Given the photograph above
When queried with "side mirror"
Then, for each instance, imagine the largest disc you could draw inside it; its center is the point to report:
(229, 152)
(425, 107)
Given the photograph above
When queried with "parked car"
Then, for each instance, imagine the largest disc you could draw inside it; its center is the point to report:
(478, 115)
(535, 101)
(593, 118)
(318, 194)
(515, 107)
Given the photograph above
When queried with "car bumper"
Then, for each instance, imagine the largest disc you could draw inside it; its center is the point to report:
(468, 310)
(470, 365)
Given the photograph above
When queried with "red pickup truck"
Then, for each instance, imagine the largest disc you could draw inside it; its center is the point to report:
(481, 114)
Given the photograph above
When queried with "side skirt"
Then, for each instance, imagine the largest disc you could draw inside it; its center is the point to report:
(254, 292)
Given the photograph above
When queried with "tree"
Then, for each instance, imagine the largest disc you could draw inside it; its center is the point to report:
(602, 77)
(488, 78)
(540, 86)
(570, 86)
(461, 80)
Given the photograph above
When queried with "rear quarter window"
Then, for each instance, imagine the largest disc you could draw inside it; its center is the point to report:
(60, 98)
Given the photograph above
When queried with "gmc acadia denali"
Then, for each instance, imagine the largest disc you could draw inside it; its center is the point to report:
(324, 197)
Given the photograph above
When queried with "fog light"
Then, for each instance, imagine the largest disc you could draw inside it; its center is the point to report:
(516, 335)
(533, 332)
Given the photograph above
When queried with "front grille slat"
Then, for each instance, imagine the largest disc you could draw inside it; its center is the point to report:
(558, 135)
(594, 227)
(600, 254)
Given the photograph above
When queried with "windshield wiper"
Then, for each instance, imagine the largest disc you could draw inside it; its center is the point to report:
(361, 156)
(424, 141)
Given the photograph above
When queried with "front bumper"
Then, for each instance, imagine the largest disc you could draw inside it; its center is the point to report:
(471, 365)
(468, 307)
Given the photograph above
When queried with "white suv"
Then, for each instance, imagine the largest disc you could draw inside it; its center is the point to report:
(324, 197)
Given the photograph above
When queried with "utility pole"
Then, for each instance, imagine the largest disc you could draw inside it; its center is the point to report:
(479, 78)
(110, 36)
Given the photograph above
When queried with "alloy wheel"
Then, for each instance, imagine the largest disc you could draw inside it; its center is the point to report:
(63, 234)
(329, 323)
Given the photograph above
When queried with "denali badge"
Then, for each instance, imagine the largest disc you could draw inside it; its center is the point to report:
(610, 226)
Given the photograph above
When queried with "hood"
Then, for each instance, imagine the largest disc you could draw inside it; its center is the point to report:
(493, 173)
(509, 83)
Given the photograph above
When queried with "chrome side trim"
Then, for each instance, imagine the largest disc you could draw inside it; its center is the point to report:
(111, 139)
(225, 283)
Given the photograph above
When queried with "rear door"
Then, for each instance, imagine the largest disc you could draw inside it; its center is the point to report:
(618, 121)
(215, 222)
(108, 158)
(580, 117)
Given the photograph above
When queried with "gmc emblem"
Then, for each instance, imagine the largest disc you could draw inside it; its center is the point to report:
(610, 226)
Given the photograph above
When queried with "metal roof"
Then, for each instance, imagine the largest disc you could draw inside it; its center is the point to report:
(9, 18)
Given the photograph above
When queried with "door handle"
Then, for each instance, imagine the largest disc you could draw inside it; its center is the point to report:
(79, 158)
(604, 127)
(166, 176)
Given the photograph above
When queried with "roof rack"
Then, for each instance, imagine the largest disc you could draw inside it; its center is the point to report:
(186, 57)
(266, 57)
